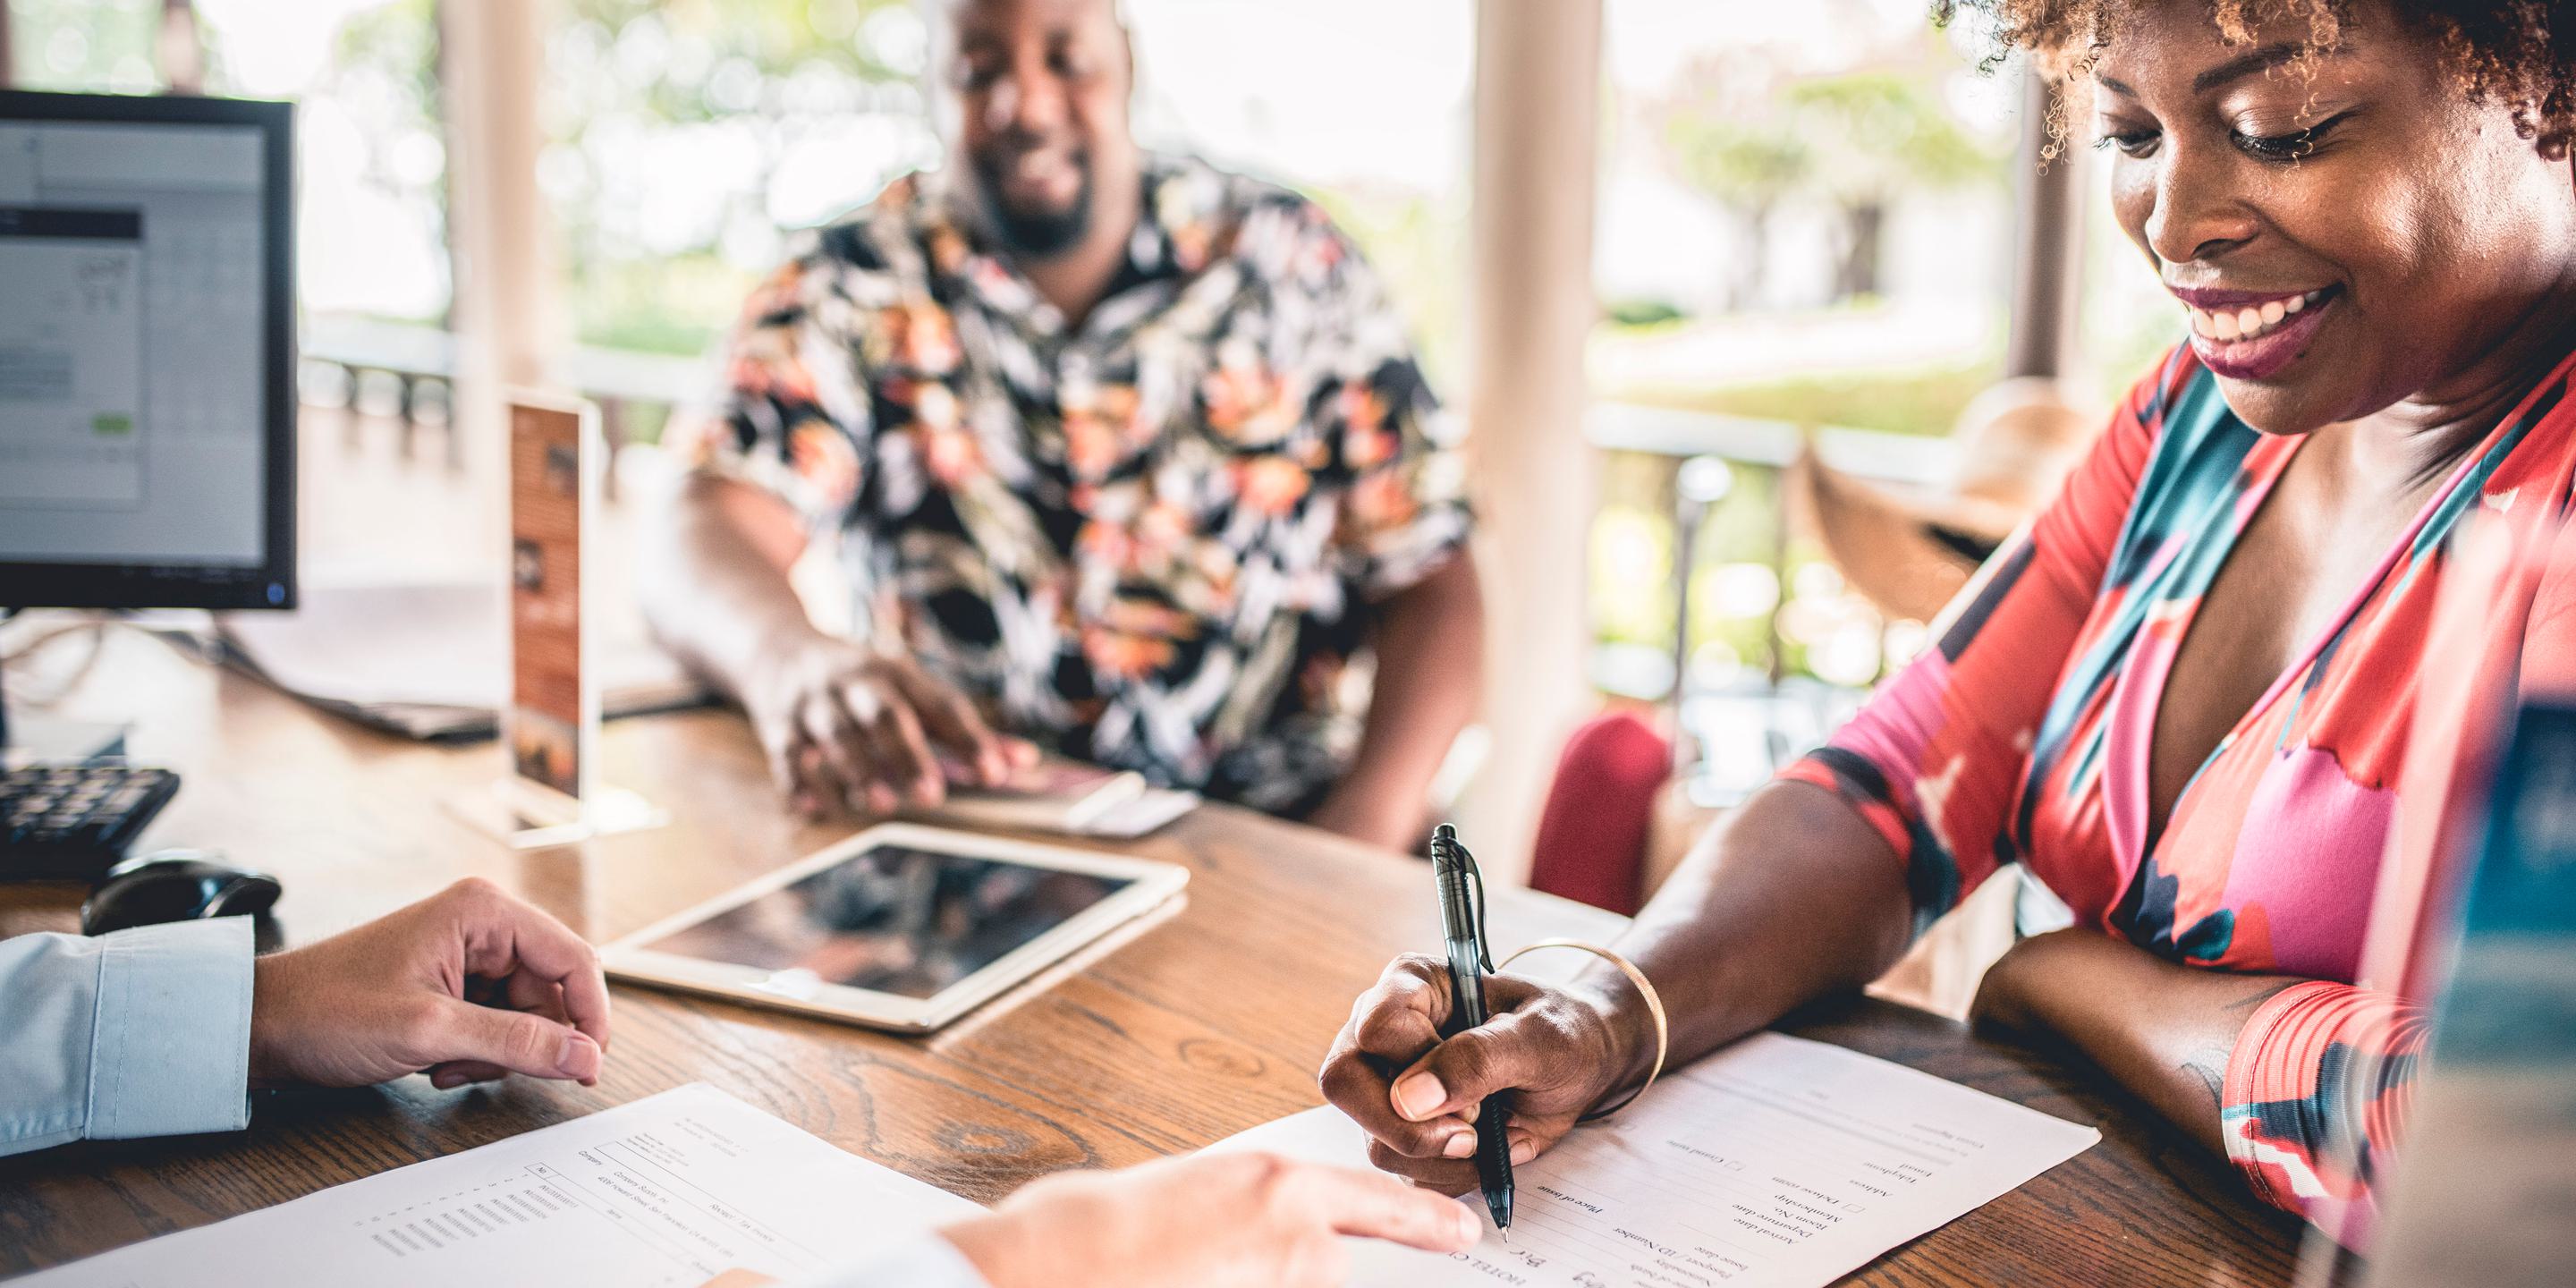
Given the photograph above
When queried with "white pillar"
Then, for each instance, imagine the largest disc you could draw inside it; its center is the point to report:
(508, 314)
(1538, 76)
(507, 296)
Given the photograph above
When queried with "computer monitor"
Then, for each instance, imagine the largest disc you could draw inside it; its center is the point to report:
(147, 353)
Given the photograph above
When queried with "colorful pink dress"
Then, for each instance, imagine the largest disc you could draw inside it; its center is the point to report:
(2023, 736)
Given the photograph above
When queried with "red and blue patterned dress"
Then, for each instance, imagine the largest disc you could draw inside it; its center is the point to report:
(1971, 758)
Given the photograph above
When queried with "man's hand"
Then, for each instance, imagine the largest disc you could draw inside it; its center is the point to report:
(467, 985)
(845, 725)
(1212, 1221)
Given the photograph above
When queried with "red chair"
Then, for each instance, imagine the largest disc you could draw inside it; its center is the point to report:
(1600, 810)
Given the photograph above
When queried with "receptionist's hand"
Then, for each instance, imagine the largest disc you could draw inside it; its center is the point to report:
(466, 985)
(1558, 1051)
(845, 725)
(1208, 1221)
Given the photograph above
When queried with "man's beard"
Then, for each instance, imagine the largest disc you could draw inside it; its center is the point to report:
(1033, 234)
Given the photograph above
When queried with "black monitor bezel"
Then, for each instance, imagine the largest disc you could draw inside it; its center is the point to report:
(271, 583)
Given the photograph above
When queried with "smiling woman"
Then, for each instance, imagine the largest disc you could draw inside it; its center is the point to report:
(2182, 701)
(2365, 212)
(2358, 137)
(2509, 52)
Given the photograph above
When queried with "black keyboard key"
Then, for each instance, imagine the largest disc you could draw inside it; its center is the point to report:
(73, 822)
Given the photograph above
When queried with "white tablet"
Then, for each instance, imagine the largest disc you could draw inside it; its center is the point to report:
(898, 927)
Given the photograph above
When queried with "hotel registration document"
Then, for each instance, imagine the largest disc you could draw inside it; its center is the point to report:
(1777, 1162)
(667, 1192)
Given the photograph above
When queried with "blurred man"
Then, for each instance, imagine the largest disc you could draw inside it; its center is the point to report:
(166, 1029)
(1122, 454)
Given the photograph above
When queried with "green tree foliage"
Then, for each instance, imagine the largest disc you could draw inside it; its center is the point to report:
(687, 66)
(1756, 167)
(1855, 139)
(1875, 135)
(384, 70)
(87, 46)
(643, 91)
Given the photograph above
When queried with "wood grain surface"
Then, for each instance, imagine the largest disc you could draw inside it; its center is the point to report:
(1206, 1022)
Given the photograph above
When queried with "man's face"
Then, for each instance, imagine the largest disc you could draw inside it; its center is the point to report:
(1042, 89)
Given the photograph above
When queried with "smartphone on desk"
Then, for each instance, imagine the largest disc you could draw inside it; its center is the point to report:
(1053, 795)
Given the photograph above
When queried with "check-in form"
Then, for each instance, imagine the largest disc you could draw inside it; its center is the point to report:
(1777, 1162)
(671, 1190)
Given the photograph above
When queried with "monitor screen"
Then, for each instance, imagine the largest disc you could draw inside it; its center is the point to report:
(146, 417)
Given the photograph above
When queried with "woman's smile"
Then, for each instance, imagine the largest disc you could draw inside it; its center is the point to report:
(2254, 335)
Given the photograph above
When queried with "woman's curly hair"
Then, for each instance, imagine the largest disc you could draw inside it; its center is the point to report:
(2521, 53)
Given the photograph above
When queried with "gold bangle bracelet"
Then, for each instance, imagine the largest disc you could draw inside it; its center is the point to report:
(1646, 990)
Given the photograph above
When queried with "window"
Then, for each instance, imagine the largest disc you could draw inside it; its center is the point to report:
(688, 140)
(371, 214)
(1804, 224)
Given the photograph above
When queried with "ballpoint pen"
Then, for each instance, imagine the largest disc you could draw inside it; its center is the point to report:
(1462, 925)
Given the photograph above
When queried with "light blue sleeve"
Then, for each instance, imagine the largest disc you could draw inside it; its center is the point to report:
(144, 1032)
(927, 1262)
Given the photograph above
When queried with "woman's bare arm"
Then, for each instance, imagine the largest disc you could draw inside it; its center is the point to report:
(2163, 1030)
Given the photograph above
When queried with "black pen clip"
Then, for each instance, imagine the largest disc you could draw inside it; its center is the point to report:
(1445, 846)
(1484, 946)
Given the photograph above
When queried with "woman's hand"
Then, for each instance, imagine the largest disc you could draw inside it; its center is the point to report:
(1209, 1221)
(1558, 1052)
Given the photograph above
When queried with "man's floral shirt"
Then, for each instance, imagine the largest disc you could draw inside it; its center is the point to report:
(1152, 540)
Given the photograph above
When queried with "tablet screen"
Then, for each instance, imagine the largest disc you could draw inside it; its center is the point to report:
(893, 919)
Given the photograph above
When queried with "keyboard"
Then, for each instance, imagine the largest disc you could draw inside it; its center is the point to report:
(73, 822)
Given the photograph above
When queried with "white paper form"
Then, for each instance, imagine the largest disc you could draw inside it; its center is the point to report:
(1776, 1162)
(670, 1190)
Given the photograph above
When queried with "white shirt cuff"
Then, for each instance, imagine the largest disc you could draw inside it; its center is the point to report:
(171, 1051)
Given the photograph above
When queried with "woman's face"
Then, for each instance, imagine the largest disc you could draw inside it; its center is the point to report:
(2343, 239)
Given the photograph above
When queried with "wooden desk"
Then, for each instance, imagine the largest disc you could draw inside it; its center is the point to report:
(1208, 1023)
